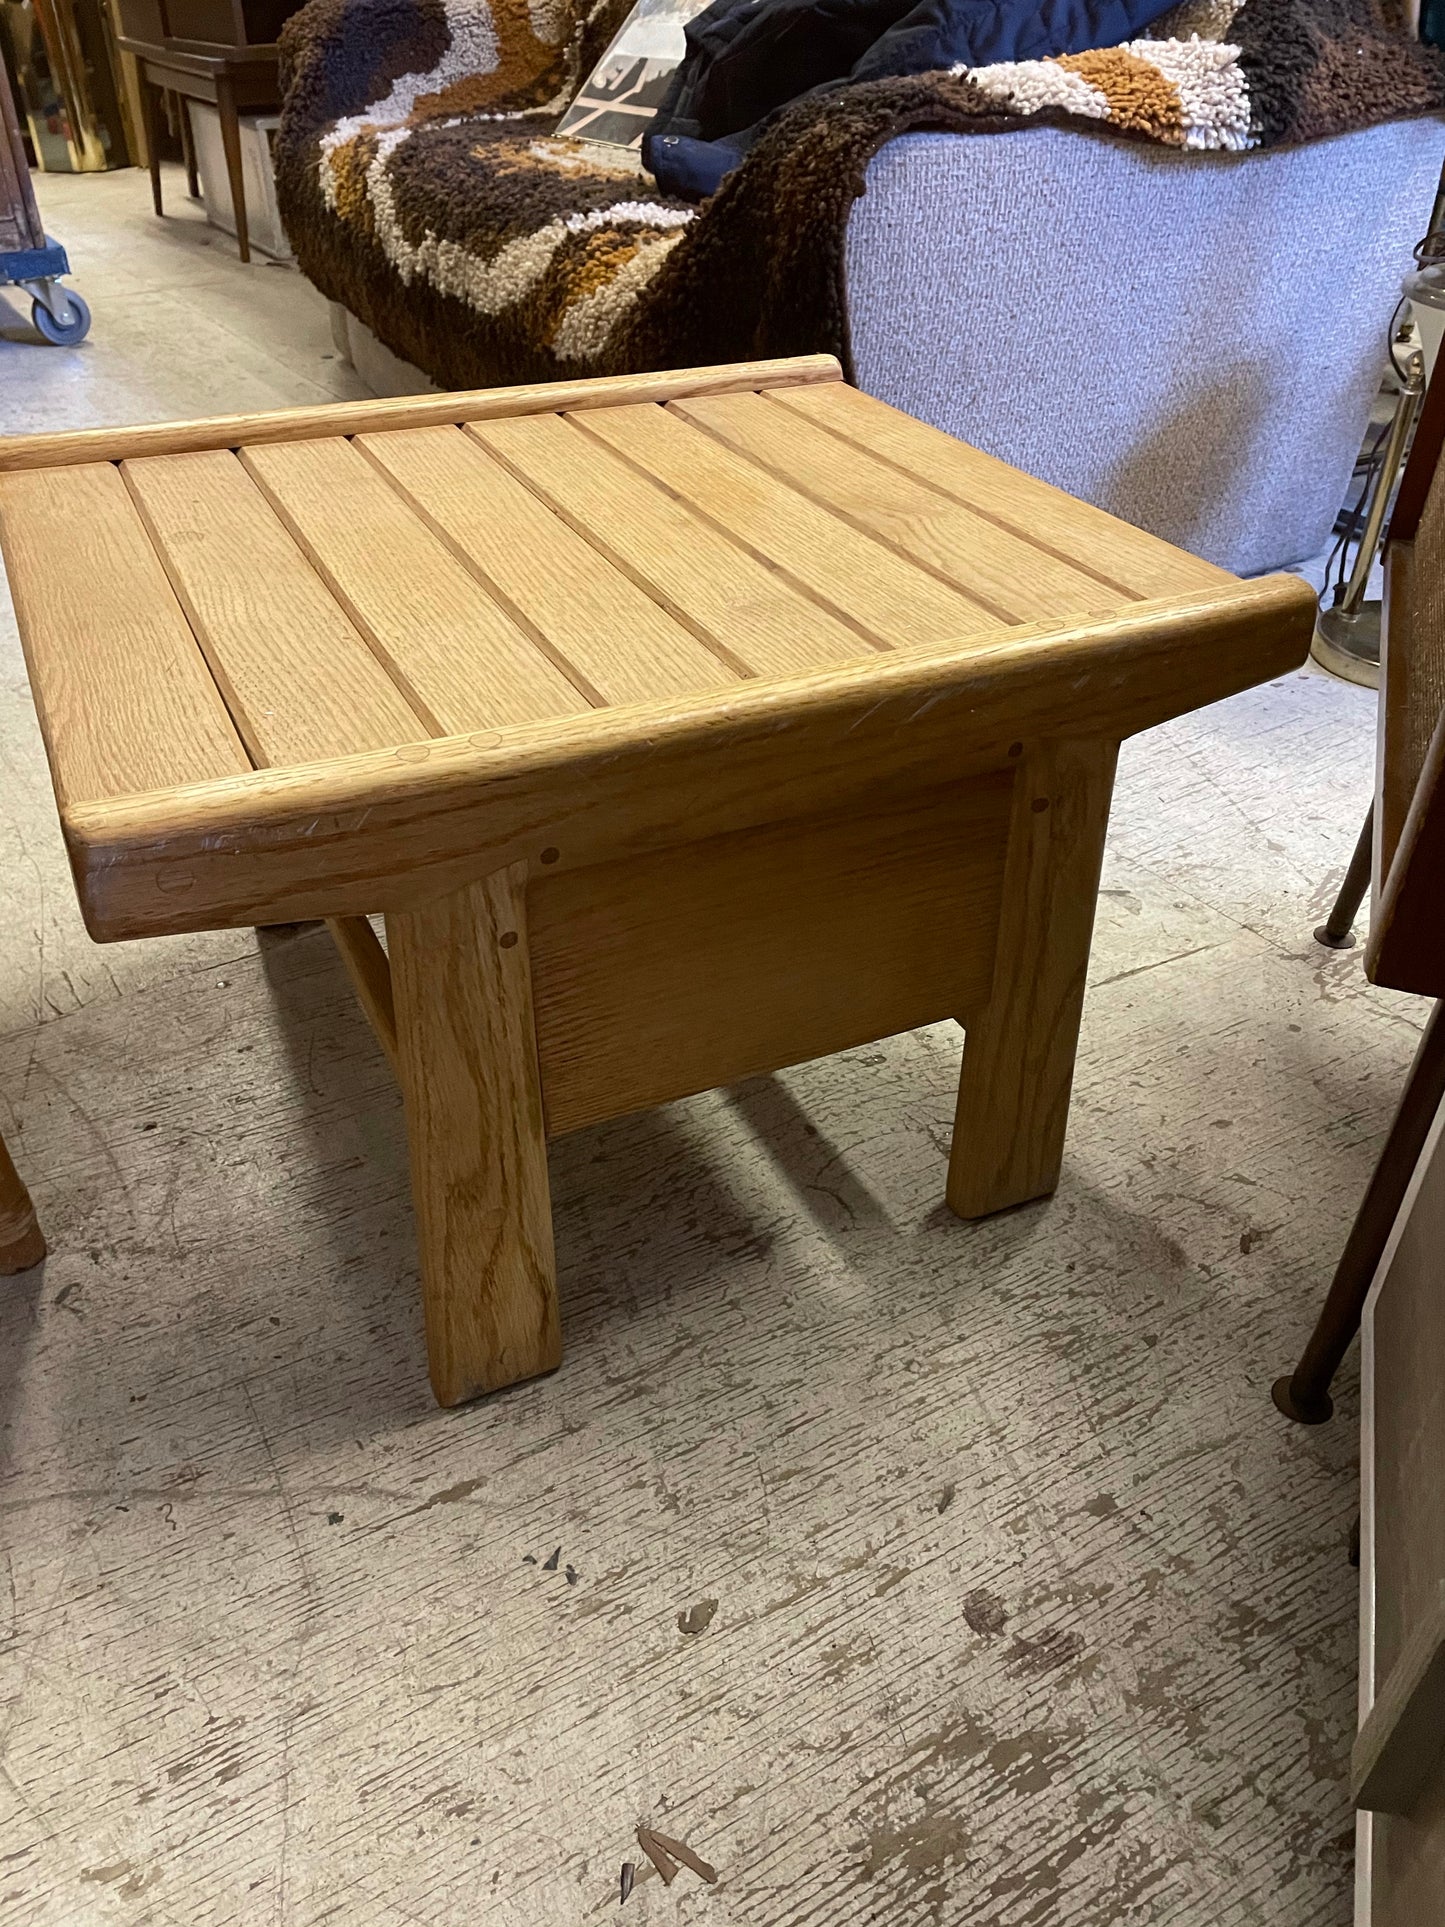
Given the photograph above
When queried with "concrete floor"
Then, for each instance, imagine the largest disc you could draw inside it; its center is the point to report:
(1030, 1612)
(180, 326)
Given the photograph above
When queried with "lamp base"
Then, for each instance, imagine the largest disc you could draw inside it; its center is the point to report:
(1347, 643)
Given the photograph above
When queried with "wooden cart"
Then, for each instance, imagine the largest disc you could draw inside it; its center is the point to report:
(29, 259)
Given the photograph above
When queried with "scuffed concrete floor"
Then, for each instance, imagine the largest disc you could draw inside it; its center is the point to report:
(1029, 1609)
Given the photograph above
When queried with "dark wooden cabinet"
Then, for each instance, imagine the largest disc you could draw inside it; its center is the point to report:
(222, 52)
(201, 24)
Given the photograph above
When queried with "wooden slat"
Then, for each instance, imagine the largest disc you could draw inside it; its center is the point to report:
(461, 662)
(620, 647)
(737, 954)
(1115, 552)
(1006, 572)
(300, 683)
(861, 578)
(404, 411)
(125, 699)
(390, 827)
(743, 609)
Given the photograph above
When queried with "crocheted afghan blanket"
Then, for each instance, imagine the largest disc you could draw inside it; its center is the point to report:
(422, 184)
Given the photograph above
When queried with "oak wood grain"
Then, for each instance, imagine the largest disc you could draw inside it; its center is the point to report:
(474, 1123)
(694, 967)
(124, 696)
(749, 614)
(1018, 1057)
(865, 582)
(614, 642)
(370, 973)
(1113, 552)
(1005, 572)
(403, 411)
(460, 659)
(386, 829)
(299, 680)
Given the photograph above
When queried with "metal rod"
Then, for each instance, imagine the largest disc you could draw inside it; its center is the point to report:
(1305, 1393)
(1390, 465)
(1335, 933)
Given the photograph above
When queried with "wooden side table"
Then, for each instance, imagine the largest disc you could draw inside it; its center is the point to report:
(234, 80)
(683, 726)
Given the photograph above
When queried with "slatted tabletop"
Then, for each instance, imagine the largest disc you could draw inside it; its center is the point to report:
(278, 601)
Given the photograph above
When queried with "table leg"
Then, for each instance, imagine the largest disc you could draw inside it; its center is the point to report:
(235, 172)
(150, 125)
(462, 979)
(1018, 1058)
(188, 150)
(370, 974)
(21, 1242)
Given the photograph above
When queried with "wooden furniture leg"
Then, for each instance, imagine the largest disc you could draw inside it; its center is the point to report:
(1304, 1394)
(462, 978)
(370, 974)
(1335, 932)
(1018, 1058)
(235, 172)
(21, 1241)
(188, 150)
(150, 122)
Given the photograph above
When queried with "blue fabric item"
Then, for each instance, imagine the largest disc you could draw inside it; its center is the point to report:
(747, 60)
(943, 33)
(692, 169)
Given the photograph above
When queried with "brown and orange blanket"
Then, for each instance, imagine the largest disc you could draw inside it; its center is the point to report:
(422, 184)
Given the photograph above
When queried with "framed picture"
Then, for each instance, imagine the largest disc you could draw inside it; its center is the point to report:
(625, 88)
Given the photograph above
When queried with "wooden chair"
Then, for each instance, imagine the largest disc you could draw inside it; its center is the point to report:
(21, 1241)
(1406, 950)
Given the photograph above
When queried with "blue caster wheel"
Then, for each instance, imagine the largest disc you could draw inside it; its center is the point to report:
(70, 325)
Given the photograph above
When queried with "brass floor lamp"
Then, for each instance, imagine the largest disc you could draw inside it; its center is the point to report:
(1347, 633)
